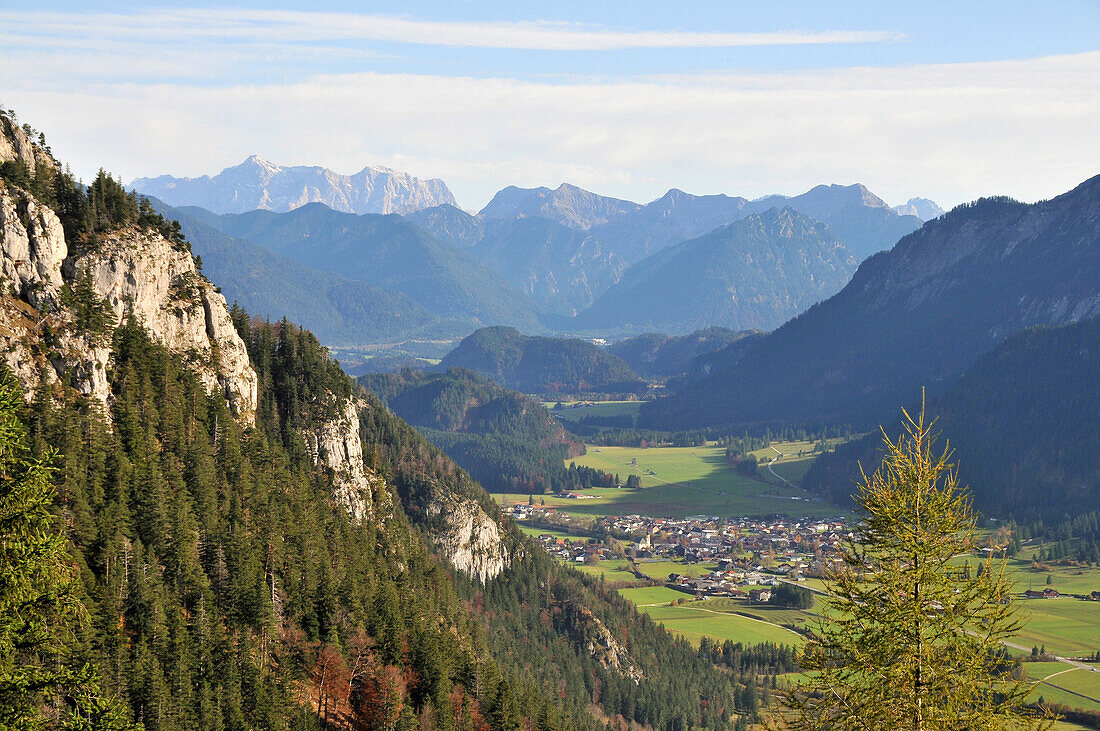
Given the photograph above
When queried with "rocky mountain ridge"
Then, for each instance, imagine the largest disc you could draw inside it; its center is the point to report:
(259, 184)
(917, 315)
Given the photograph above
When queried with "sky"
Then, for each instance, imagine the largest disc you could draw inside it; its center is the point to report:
(945, 100)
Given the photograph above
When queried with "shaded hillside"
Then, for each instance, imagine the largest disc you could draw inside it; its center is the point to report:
(449, 224)
(389, 252)
(1023, 422)
(561, 270)
(656, 355)
(567, 204)
(918, 315)
(340, 311)
(507, 441)
(674, 217)
(542, 365)
(755, 273)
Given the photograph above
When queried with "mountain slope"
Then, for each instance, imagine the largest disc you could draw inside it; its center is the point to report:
(386, 251)
(341, 312)
(922, 208)
(533, 364)
(918, 315)
(560, 269)
(754, 273)
(857, 216)
(567, 204)
(449, 224)
(507, 441)
(259, 184)
(1022, 422)
(674, 217)
(659, 355)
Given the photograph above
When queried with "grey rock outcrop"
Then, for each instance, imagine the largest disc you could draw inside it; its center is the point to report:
(144, 274)
(468, 537)
(16, 145)
(133, 271)
(338, 447)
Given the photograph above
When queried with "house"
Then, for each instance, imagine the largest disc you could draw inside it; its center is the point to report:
(1047, 593)
(1094, 596)
(1050, 593)
(760, 595)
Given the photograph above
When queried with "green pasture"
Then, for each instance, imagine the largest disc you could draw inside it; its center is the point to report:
(682, 481)
(661, 569)
(577, 410)
(696, 619)
(1067, 626)
(1062, 683)
(613, 570)
(536, 532)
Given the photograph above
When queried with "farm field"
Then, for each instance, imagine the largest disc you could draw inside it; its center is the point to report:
(536, 531)
(1074, 687)
(661, 569)
(1067, 626)
(615, 570)
(681, 481)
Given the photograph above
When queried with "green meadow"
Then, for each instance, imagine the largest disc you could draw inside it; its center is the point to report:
(714, 618)
(678, 482)
(576, 410)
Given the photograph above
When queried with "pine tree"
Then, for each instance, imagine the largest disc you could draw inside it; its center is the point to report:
(38, 602)
(907, 641)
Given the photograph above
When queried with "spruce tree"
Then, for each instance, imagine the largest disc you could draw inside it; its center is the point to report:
(41, 683)
(907, 639)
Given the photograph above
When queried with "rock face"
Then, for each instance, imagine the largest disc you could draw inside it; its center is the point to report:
(467, 536)
(132, 271)
(259, 184)
(15, 145)
(338, 447)
(142, 273)
(567, 204)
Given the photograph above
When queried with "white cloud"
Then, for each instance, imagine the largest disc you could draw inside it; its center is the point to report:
(297, 27)
(951, 132)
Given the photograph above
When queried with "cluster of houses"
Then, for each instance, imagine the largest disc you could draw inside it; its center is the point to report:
(578, 550)
(740, 546)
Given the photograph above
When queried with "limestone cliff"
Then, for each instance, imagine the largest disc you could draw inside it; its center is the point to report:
(131, 270)
(336, 445)
(142, 273)
(467, 536)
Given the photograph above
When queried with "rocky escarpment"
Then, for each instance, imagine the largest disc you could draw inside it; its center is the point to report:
(44, 339)
(468, 537)
(337, 446)
(144, 274)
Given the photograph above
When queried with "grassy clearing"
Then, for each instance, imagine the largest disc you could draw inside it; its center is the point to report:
(615, 570)
(682, 481)
(1066, 626)
(661, 569)
(649, 595)
(535, 531)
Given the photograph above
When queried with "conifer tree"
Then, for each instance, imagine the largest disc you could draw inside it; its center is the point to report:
(38, 606)
(908, 640)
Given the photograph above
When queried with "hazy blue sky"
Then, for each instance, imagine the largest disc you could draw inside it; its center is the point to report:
(946, 100)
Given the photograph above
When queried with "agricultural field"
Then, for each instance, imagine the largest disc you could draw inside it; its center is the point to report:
(615, 570)
(1067, 626)
(1062, 683)
(792, 461)
(660, 570)
(696, 619)
(678, 482)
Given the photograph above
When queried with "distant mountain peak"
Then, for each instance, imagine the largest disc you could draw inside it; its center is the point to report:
(258, 183)
(922, 208)
(568, 205)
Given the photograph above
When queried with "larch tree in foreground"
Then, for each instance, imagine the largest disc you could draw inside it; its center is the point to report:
(909, 639)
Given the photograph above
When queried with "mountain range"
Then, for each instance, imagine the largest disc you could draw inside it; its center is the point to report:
(754, 273)
(562, 260)
(259, 184)
(917, 315)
